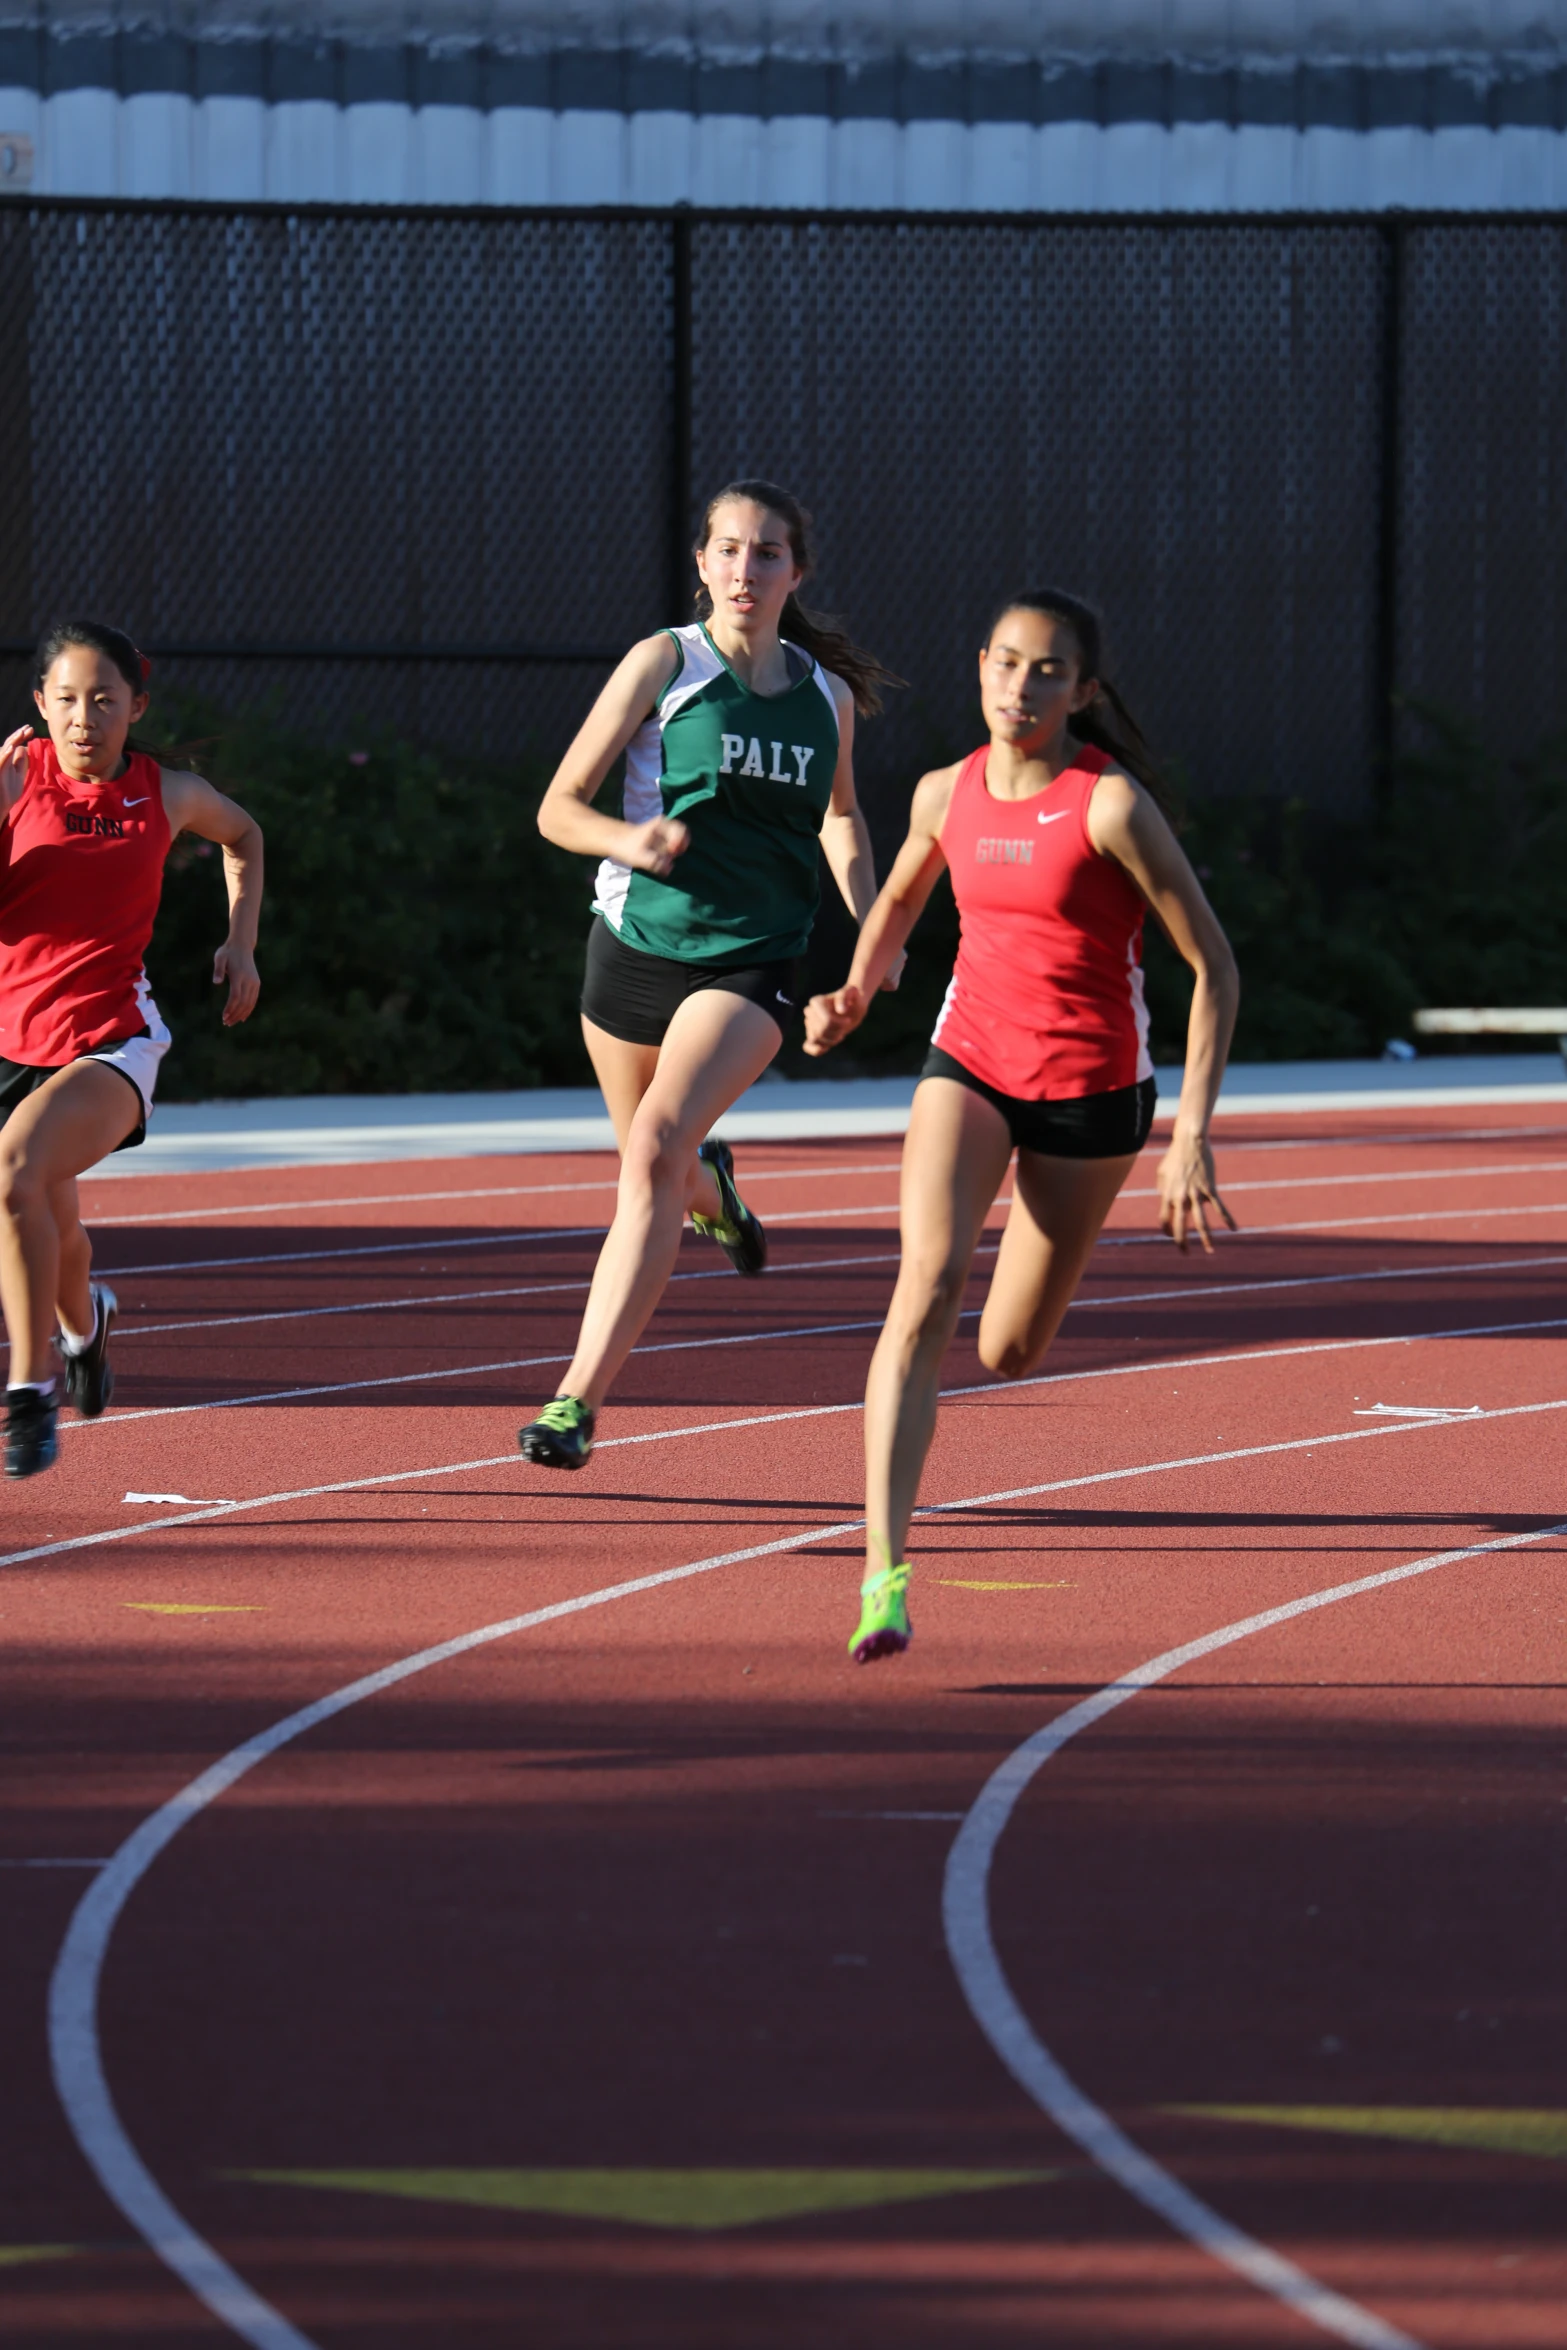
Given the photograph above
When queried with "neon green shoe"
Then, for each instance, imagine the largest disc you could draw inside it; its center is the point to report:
(885, 1629)
(561, 1437)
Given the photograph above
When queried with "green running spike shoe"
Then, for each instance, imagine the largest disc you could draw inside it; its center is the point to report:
(737, 1232)
(885, 1629)
(561, 1437)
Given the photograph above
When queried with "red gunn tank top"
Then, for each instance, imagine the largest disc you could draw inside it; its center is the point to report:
(1046, 1001)
(81, 872)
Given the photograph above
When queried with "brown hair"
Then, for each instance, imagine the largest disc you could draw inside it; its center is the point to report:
(1106, 722)
(825, 638)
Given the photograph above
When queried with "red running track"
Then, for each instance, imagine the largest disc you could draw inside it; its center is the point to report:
(635, 1910)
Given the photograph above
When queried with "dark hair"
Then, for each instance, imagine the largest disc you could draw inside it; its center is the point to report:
(1106, 722)
(98, 637)
(825, 638)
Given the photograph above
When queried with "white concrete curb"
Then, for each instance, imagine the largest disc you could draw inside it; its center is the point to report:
(188, 1138)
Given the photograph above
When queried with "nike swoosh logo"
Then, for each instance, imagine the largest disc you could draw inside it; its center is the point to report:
(1055, 819)
(786, 1000)
(146, 795)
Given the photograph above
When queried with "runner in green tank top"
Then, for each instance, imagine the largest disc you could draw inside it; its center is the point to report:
(738, 735)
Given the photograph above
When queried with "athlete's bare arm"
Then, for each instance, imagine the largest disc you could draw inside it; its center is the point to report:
(1126, 824)
(13, 768)
(846, 841)
(567, 815)
(916, 870)
(194, 805)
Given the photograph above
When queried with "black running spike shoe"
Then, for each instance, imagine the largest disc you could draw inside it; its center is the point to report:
(561, 1437)
(89, 1382)
(738, 1233)
(30, 1440)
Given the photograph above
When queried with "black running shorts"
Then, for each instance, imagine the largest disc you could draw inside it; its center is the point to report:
(19, 1078)
(635, 996)
(1088, 1126)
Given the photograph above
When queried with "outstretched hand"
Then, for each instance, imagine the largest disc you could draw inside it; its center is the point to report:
(237, 965)
(13, 768)
(1188, 1188)
(830, 1018)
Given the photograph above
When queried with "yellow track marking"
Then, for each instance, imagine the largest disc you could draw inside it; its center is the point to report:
(661, 2198)
(189, 1607)
(957, 1583)
(1495, 2130)
(18, 2255)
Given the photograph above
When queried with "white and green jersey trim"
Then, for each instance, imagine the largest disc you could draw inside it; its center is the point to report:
(751, 776)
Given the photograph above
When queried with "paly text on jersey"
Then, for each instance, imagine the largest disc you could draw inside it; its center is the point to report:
(733, 744)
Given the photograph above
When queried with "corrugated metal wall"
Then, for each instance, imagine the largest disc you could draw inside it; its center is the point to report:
(1190, 104)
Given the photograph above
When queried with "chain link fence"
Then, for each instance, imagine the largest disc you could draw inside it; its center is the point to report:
(434, 471)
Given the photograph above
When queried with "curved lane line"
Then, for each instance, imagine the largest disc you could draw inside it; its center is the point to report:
(75, 2052)
(230, 1403)
(977, 1964)
(74, 2049)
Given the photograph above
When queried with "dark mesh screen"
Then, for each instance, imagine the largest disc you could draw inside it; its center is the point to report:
(433, 470)
(1482, 482)
(1181, 423)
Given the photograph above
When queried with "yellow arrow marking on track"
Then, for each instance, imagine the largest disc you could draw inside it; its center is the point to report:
(661, 2198)
(189, 1607)
(1494, 2130)
(954, 1583)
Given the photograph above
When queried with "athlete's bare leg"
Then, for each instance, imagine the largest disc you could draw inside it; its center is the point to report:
(1058, 1207)
(77, 1118)
(954, 1159)
(716, 1045)
(625, 1071)
(73, 1294)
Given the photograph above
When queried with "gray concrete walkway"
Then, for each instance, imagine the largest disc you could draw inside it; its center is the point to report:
(367, 1130)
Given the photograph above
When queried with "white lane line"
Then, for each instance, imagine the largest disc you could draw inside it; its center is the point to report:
(1440, 1138)
(464, 1297)
(53, 1864)
(1193, 1289)
(1387, 1175)
(977, 1963)
(1553, 1207)
(820, 1173)
(430, 1246)
(830, 1411)
(401, 1199)
(442, 1247)
(124, 1419)
(665, 1346)
(212, 1511)
(75, 2050)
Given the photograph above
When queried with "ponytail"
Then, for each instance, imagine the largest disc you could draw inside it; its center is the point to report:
(825, 638)
(828, 642)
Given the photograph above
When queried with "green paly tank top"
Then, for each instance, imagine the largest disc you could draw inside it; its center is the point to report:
(750, 776)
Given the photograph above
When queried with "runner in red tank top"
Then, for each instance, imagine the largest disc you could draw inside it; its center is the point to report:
(85, 826)
(1056, 845)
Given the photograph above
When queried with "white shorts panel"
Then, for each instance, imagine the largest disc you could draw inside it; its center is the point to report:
(137, 1059)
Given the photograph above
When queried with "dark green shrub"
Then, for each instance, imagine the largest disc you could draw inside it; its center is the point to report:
(417, 934)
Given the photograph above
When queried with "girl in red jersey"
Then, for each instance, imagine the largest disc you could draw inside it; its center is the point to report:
(85, 826)
(1056, 847)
